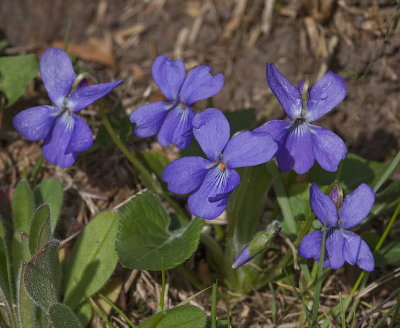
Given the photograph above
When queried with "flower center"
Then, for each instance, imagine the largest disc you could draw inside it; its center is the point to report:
(300, 120)
(222, 166)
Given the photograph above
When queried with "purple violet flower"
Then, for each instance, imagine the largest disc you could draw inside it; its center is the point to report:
(172, 120)
(341, 245)
(300, 142)
(210, 181)
(65, 134)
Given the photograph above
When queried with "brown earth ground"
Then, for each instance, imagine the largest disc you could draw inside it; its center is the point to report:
(360, 40)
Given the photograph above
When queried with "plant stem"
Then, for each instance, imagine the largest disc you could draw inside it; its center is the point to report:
(67, 34)
(318, 286)
(214, 305)
(145, 176)
(286, 258)
(162, 296)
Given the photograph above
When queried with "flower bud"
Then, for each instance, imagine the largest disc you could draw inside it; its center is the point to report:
(336, 195)
(261, 241)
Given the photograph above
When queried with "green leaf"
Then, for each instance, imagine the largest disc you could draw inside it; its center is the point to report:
(20, 248)
(239, 120)
(40, 231)
(93, 259)
(5, 274)
(144, 241)
(6, 314)
(6, 287)
(246, 203)
(390, 254)
(26, 308)
(84, 313)
(356, 170)
(2, 229)
(42, 276)
(299, 199)
(16, 72)
(50, 191)
(22, 206)
(245, 207)
(187, 316)
(62, 316)
(122, 126)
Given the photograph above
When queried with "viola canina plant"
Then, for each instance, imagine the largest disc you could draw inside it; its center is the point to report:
(337, 216)
(210, 181)
(300, 142)
(65, 134)
(172, 120)
(269, 220)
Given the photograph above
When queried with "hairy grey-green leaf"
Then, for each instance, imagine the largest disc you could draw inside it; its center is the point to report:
(42, 276)
(26, 308)
(40, 230)
(5, 274)
(62, 316)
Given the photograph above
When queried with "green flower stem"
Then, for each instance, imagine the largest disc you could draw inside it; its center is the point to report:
(214, 296)
(318, 286)
(162, 295)
(145, 176)
(288, 256)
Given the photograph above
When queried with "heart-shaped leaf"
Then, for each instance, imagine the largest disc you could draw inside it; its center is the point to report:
(144, 240)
